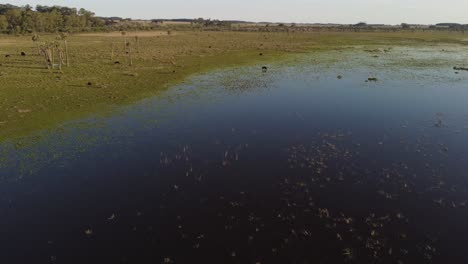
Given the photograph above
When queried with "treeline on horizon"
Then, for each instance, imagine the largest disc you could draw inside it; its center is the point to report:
(26, 19)
(54, 19)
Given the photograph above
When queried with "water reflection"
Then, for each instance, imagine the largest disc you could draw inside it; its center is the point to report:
(242, 166)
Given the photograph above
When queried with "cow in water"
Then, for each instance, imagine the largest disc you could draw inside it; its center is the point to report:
(264, 69)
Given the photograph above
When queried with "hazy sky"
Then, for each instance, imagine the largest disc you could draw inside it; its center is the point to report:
(339, 11)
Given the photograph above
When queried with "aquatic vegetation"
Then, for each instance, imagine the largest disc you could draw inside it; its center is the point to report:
(460, 69)
(88, 232)
(162, 61)
(292, 165)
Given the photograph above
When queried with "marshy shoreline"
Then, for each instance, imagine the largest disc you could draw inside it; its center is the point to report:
(100, 76)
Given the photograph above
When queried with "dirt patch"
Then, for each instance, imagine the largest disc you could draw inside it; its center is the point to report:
(6, 43)
(119, 34)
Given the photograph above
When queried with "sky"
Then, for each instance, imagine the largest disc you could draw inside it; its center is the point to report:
(299, 11)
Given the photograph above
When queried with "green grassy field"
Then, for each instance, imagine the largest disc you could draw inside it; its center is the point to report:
(33, 97)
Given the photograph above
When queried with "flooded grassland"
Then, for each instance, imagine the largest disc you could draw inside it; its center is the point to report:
(352, 155)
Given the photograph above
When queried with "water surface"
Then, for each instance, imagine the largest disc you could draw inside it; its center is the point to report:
(307, 163)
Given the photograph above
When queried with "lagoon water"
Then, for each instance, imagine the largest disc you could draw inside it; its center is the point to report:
(307, 163)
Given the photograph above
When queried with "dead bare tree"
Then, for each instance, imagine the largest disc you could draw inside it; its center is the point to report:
(124, 35)
(137, 42)
(66, 53)
(46, 51)
(63, 37)
(112, 51)
(129, 52)
(49, 51)
(60, 54)
(35, 39)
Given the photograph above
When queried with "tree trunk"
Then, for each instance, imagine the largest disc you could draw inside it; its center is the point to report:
(66, 53)
(44, 55)
(38, 49)
(59, 53)
(53, 51)
(112, 52)
(137, 44)
(48, 57)
(130, 55)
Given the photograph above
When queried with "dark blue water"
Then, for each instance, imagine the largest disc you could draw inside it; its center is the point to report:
(239, 166)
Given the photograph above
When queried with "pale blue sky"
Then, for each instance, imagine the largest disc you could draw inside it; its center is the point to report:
(325, 11)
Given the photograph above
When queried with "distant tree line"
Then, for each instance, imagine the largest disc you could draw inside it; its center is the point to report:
(26, 19)
(452, 26)
(54, 19)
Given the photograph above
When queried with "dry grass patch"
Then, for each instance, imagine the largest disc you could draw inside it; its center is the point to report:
(141, 34)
